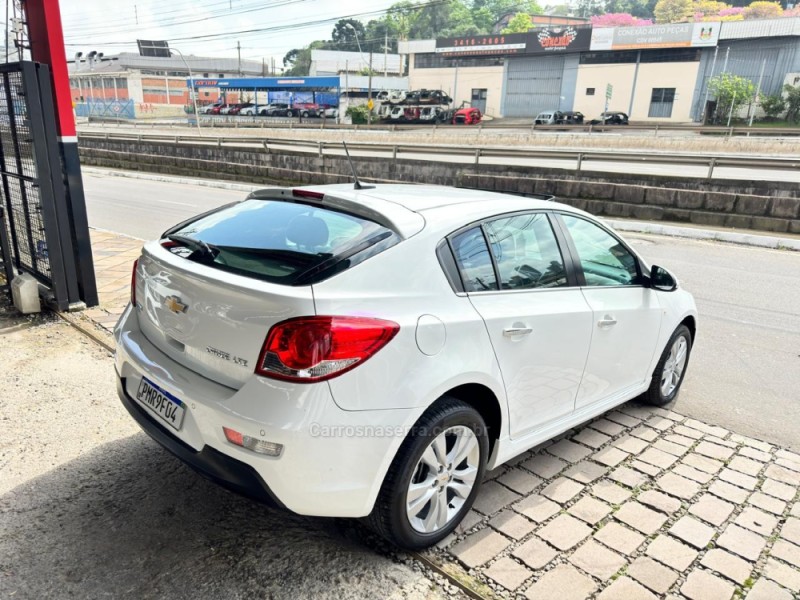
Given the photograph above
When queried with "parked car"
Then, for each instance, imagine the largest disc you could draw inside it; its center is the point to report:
(329, 112)
(306, 109)
(237, 109)
(467, 116)
(570, 117)
(226, 110)
(249, 110)
(217, 108)
(611, 118)
(548, 117)
(276, 109)
(348, 353)
(434, 97)
(412, 97)
(397, 113)
(209, 108)
(396, 96)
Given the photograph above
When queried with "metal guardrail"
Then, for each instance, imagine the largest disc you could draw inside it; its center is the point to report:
(245, 122)
(711, 161)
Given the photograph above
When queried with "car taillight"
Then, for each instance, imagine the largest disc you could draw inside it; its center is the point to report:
(133, 281)
(308, 349)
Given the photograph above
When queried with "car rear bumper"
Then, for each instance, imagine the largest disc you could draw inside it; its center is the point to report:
(210, 463)
(333, 460)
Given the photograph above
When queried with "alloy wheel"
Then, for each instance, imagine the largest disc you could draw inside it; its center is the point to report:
(674, 366)
(443, 479)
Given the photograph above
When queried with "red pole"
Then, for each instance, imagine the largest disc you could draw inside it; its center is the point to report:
(47, 46)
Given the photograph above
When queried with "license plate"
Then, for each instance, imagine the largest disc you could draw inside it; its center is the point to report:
(161, 402)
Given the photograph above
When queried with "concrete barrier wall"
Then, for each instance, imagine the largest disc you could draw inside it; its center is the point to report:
(767, 206)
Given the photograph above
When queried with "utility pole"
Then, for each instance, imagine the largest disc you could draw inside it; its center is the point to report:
(369, 92)
(385, 52)
(705, 101)
(758, 89)
(239, 53)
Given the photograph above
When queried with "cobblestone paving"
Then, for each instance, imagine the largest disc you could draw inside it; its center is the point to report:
(641, 503)
(113, 260)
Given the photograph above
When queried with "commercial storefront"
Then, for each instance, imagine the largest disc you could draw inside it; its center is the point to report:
(656, 73)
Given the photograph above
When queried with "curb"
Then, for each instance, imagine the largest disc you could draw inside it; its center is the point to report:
(212, 183)
(732, 237)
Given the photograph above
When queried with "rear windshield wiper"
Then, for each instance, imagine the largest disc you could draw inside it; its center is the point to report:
(337, 258)
(202, 249)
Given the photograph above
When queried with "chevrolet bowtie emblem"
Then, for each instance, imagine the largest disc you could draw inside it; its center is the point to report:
(174, 304)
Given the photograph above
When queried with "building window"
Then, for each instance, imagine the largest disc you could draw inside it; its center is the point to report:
(661, 101)
(670, 55)
(222, 75)
(205, 75)
(431, 60)
(590, 91)
(604, 58)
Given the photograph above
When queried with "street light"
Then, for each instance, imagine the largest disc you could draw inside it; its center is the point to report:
(192, 91)
(355, 31)
(369, 68)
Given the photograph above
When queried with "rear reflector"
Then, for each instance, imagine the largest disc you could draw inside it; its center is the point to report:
(133, 281)
(308, 349)
(251, 443)
(308, 194)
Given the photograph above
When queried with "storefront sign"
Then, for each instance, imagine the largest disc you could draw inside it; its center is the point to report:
(483, 45)
(538, 41)
(560, 39)
(696, 35)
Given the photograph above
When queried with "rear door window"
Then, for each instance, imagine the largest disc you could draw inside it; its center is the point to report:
(526, 252)
(280, 242)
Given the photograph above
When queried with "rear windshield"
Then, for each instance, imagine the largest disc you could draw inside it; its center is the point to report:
(282, 242)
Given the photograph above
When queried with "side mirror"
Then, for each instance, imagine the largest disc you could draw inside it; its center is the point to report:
(663, 280)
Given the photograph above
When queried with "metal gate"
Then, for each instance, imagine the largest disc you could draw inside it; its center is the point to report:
(533, 85)
(37, 235)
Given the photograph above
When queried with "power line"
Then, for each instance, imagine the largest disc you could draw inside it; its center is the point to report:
(274, 28)
(277, 4)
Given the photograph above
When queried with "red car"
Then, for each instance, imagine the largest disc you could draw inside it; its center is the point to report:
(467, 116)
(215, 109)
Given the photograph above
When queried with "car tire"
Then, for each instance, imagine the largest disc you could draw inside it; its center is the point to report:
(289, 113)
(671, 366)
(449, 421)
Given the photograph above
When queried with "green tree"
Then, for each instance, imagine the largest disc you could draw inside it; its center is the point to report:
(520, 23)
(772, 105)
(792, 93)
(763, 10)
(298, 60)
(400, 18)
(483, 19)
(347, 34)
(732, 93)
(673, 11)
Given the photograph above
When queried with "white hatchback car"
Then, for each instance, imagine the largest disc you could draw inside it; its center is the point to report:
(371, 352)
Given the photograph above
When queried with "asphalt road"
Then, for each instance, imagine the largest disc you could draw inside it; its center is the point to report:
(745, 369)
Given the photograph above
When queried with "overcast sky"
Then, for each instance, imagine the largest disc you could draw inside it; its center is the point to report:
(111, 26)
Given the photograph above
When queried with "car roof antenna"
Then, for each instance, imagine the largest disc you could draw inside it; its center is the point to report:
(357, 184)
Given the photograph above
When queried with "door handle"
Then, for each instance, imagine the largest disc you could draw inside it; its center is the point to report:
(606, 322)
(515, 331)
